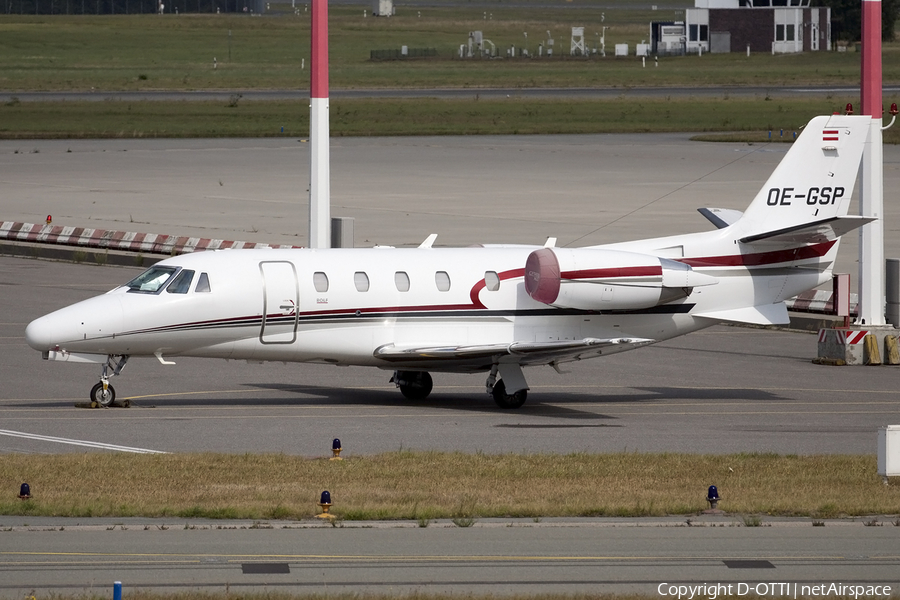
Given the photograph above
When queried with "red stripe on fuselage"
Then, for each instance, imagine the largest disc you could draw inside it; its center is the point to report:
(761, 258)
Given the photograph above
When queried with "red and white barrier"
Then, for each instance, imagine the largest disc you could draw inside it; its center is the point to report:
(842, 337)
(129, 241)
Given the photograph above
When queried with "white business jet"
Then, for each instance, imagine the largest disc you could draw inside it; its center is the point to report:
(492, 309)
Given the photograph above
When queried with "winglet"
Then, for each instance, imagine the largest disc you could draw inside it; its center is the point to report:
(429, 241)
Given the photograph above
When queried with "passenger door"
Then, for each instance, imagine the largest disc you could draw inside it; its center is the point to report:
(281, 301)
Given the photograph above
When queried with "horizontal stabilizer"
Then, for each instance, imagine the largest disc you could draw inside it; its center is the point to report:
(817, 232)
(721, 217)
(765, 314)
(532, 350)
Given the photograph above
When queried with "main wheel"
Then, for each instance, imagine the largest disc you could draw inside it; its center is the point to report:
(102, 398)
(415, 385)
(505, 400)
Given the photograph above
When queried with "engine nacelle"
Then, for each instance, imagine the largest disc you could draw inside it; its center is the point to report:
(590, 279)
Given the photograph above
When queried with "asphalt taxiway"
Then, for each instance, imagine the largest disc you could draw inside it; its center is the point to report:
(657, 558)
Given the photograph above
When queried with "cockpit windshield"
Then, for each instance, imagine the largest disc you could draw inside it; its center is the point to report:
(152, 280)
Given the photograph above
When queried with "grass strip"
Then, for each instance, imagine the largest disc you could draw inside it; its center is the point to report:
(203, 51)
(430, 485)
(427, 116)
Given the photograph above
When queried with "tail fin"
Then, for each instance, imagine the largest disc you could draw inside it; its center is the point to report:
(807, 197)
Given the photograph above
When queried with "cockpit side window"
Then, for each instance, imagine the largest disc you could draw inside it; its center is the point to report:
(182, 282)
(203, 284)
(152, 280)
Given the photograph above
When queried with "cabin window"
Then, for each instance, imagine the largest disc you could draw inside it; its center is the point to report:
(401, 280)
(320, 280)
(361, 280)
(442, 281)
(152, 280)
(491, 281)
(203, 284)
(182, 283)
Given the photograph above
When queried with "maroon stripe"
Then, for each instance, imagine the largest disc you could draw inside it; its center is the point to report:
(476, 289)
(612, 272)
(762, 258)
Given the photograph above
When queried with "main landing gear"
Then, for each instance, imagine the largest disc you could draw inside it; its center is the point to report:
(497, 387)
(416, 385)
(103, 394)
(504, 400)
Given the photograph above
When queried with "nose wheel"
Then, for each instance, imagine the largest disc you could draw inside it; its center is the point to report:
(103, 394)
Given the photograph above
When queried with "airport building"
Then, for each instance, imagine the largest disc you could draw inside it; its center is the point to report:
(776, 26)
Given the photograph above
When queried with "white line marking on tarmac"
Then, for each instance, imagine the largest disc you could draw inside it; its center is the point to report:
(59, 440)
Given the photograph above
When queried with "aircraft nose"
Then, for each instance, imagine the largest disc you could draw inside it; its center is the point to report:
(75, 325)
(48, 332)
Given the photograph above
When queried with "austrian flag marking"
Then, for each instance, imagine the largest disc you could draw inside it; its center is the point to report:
(830, 135)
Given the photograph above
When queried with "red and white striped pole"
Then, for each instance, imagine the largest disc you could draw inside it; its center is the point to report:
(319, 150)
(871, 180)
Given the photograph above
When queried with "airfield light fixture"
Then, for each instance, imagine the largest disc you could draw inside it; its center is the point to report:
(893, 115)
(50, 217)
(24, 491)
(712, 496)
(325, 504)
(848, 109)
(336, 449)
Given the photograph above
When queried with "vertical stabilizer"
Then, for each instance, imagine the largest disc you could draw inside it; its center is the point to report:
(814, 181)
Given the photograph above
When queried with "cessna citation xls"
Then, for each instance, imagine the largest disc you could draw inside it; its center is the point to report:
(493, 309)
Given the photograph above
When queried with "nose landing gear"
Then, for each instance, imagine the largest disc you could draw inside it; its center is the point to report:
(103, 394)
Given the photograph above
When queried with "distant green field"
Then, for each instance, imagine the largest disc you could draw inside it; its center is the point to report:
(144, 52)
(238, 52)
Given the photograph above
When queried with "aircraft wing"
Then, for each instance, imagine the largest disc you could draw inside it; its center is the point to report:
(527, 352)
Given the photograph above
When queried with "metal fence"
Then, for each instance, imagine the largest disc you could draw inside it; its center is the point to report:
(120, 7)
(400, 55)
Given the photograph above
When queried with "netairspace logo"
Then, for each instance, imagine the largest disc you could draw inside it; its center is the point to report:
(711, 591)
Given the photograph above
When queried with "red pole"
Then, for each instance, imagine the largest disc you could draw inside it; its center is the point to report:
(319, 161)
(871, 58)
(871, 188)
(319, 50)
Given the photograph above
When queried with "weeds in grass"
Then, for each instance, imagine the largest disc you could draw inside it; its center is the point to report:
(751, 521)
(873, 522)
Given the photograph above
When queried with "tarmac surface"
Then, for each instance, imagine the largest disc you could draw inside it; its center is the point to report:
(722, 390)
(499, 557)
